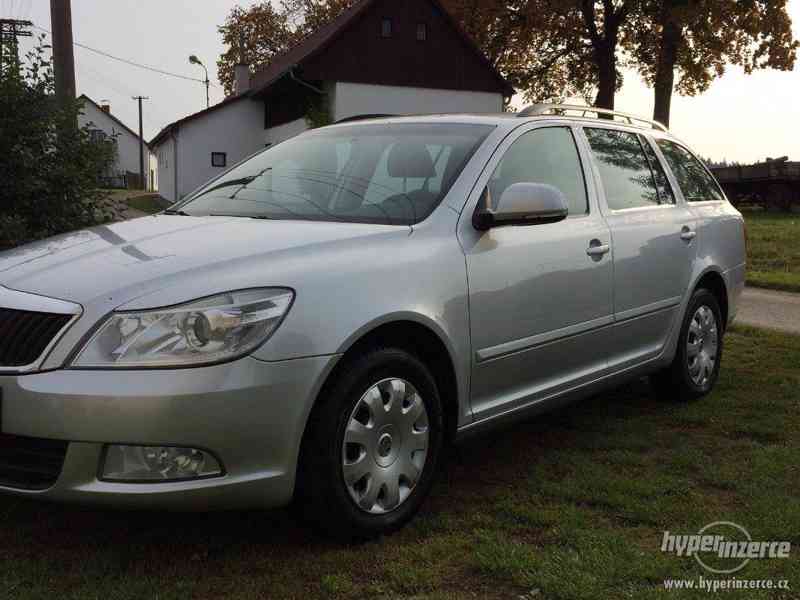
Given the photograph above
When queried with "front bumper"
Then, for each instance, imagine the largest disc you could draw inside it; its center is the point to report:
(251, 414)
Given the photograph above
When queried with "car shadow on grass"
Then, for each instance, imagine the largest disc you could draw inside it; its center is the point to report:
(572, 503)
(470, 470)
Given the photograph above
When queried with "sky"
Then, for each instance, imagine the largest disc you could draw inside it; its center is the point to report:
(742, 117)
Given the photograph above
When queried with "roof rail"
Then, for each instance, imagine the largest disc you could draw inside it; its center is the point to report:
(536, 110)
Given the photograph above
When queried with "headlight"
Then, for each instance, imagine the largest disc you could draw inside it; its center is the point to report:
(205, 331)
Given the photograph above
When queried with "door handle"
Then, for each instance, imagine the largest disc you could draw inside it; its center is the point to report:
(596, 248)
(687, 234)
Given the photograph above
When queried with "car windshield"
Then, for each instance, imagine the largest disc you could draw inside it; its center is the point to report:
(389, 173)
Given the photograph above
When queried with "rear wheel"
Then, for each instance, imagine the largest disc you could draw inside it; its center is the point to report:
(695, 368)
(372, 447)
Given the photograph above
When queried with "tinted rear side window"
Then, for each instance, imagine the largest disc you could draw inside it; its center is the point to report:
(624, 169)
(547, 155)
(694, 180)
(665, 195)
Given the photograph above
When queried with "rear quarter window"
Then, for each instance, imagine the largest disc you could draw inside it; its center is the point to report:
(695, 181)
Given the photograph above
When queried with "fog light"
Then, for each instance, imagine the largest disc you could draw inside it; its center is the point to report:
(158, 463)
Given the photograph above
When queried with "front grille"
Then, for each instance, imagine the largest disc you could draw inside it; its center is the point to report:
(24, 335)
(30, 463)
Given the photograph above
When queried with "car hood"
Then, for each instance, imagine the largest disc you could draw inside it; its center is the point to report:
(127, 260)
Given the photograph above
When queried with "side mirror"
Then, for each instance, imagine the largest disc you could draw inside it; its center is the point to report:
(524, 204)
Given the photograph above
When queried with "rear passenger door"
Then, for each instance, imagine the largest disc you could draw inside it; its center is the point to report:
(652, 239)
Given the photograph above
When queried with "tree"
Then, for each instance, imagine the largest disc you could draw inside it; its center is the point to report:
(603, 24)
(699, 38)
(50, 168)
(254, 36)
(534, 44)
(550, 49)
(541, 47)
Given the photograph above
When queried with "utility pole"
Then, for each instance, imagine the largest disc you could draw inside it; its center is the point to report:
(10, 30)
(63, 56)
(141, 143)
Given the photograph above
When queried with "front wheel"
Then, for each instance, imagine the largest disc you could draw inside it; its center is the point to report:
(695, 368)
(372, 447)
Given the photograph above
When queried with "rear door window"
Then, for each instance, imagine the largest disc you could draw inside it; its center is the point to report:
(665, 195)
(625, 171)
(695, 181)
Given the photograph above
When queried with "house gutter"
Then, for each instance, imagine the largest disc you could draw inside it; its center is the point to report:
(296, 79)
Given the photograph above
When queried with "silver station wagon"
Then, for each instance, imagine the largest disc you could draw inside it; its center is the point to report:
(318, 322)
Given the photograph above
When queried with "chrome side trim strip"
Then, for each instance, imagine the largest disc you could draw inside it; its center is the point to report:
(541, 338)
(647, 308)
(532, 341)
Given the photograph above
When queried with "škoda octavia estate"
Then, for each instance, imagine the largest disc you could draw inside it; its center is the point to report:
(316, 323)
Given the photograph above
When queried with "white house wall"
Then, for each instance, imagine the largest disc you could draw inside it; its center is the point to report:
(236, 129)
(153, 169)
(279, 133)
(127, 144)
(165, 156)
(351, 99)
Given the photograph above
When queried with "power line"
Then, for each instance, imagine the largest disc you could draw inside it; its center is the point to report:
(130, 62)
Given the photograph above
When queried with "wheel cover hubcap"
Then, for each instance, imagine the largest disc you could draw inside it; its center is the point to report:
(702, 343)
(385, 445)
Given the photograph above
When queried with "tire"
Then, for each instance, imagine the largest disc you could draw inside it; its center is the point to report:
(685, 380)
(386, 446)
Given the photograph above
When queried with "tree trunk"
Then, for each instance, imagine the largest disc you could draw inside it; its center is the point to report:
(665, 69)
(606, 58)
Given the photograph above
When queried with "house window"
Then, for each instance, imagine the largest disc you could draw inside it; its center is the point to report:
(386, 28)
(422, 32)
(219, 159)
(97, 136)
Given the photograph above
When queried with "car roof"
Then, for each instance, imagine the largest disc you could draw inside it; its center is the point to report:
(508, 120)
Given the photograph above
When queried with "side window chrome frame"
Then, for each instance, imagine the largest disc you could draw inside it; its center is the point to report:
(673, 180)
(650, 143)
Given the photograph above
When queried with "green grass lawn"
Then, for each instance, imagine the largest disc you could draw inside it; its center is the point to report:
(571, 505)
(146, 202)
(773, 259)
(149, 203)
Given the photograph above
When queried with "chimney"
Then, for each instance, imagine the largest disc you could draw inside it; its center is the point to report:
(241, 79)
(241, 74)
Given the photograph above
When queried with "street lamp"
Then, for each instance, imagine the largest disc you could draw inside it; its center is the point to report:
(196, 61)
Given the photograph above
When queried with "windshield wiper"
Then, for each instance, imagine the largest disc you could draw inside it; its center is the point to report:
(181, 213)
(262, 217)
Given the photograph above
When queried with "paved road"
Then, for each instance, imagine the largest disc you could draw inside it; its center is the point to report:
(766, 308)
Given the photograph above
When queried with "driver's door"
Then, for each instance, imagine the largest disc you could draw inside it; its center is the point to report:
(540, 295)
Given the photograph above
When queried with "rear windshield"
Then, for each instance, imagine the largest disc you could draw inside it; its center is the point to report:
(388, 173)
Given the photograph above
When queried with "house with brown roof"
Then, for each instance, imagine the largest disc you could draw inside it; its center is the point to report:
(379, 57)
(103, 125)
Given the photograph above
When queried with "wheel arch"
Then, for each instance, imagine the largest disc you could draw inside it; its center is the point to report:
(419, 336)
(714, 282)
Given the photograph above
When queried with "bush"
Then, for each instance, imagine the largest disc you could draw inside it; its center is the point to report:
(48, 166)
